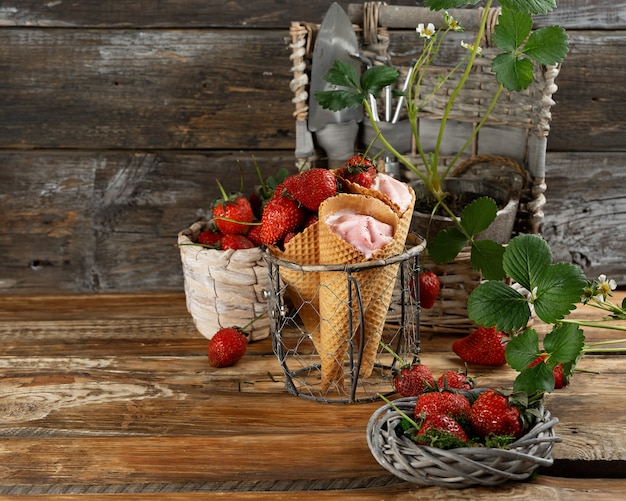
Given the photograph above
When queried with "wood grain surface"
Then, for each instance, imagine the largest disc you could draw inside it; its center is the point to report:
(112, 394)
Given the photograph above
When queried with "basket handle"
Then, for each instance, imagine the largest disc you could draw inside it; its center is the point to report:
(466, 164)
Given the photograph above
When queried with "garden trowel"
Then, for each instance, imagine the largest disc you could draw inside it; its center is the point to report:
(335, 131)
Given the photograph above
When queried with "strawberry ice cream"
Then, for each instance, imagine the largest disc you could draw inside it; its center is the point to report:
(364, 232)
(397, 191)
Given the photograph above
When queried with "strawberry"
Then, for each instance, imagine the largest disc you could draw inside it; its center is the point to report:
(360, 170)
(452, 404)
(413, 380)
(226, 347)
(560, 381)
(311, 187)
(254, 234)
(231, 208)
(429, 287)
(281, 215)
(484, 346)
(441, 430)
(236, 242)
(458, 380)
(493, 413)
(210, 238)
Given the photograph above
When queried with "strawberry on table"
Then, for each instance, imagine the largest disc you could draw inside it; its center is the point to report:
(311, 187)
(484, 346)
(227, 347)
(413, 380)
(232, 214)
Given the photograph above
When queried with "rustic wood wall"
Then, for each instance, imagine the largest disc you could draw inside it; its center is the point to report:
(117, 117)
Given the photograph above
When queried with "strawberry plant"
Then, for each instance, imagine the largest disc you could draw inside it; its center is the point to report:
(554, 291)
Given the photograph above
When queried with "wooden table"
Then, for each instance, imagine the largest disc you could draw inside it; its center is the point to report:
(113, 395)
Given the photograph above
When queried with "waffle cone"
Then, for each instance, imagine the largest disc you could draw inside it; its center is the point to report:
(302, 287)
(334, 294)
(380, 291)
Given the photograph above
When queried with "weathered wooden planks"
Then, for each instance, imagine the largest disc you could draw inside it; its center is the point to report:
(115, 121)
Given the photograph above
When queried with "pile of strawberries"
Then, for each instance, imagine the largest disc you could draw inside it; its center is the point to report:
(451, 413)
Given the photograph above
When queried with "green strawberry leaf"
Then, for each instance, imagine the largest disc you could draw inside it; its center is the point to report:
(496, 303)
(446, 245)
(337, 100)
(558, 289)
(512, 29)
(526, 258)
(547, 45)
(564, 343)
(522, 350)
(376, 78)
(513, 73)
(538, 378)
(478, 215)
(530, 6)
(486, 256)
(343, 74)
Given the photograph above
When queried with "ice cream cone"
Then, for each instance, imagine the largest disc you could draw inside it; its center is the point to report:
(379, 290)
(335, 290)
(302, 287)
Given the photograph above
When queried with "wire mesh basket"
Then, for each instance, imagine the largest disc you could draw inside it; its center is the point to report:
(336, 353)
(462, 467)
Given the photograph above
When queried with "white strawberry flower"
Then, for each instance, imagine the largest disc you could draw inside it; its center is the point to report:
(605, 287)
(426, 32)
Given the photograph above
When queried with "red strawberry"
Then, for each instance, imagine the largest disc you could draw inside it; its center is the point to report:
(360, 170)
(458, 380)
(429, 289)
(254, 234)
(210, 238)
(560, 381)
(311, 187)
(236, 242)
(434, 425)
(452, 404)
(484, 346)
(232, 208)
(413, 380)
(493, 414)
(281, 215)
(227, 347)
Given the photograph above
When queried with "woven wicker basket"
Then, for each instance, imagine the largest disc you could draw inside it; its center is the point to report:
(224, 288)
(457, 468)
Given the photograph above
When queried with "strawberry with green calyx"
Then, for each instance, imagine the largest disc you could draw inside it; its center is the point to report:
(232, 214)
(484, 346)
(498, 412)
(281, 215)
(458, 380)
(360, 170)
(411, 380)
(311, 187)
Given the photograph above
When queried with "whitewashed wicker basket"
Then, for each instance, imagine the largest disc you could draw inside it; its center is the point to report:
(462, 467)
(224, 288)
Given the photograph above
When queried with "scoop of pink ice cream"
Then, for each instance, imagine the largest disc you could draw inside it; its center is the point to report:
(397, 191)
(365, 233)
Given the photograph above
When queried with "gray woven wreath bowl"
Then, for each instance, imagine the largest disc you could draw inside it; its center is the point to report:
(462, 467)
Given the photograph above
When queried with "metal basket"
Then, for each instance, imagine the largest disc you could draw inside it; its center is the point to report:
(462, 467)
(294, 321)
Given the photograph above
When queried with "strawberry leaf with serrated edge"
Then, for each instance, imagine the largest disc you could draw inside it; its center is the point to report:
(478, 215)
(446, 245)
(495, 303)
(530, 6)
(564, 343)
(376, 78)
(512, 29)
(547, 45)
(523, 349)
(513, 73)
